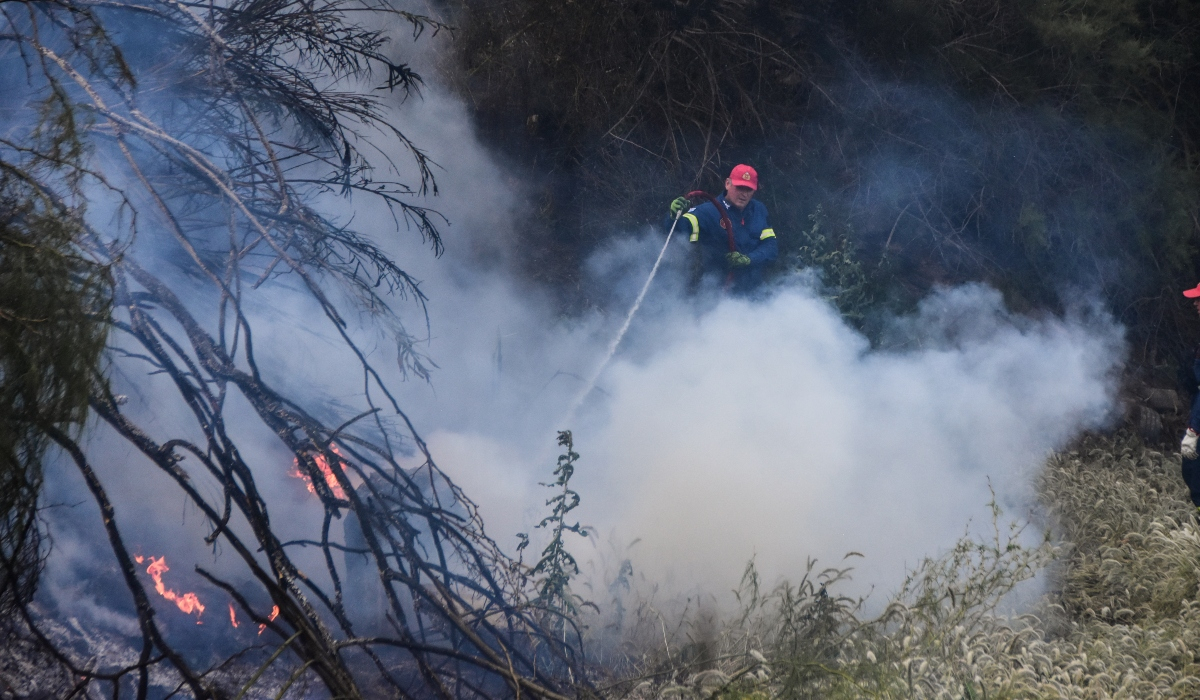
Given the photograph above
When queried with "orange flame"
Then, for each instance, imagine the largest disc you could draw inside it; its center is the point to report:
(188, 602)
(326, 471)
(139, 558)
(232, 616)
(274, 614)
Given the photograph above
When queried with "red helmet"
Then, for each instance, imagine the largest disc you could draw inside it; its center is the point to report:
(744, 176)
(1192, 293)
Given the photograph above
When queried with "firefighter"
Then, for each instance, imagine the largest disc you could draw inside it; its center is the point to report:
(1188, 447)
(754, 244)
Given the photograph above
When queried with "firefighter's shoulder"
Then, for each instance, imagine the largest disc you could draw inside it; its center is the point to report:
(704, 210)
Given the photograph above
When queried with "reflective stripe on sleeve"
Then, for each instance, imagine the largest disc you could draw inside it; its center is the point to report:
(695, 227)
(767, 233)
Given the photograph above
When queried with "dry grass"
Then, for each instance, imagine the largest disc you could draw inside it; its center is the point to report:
(1120, 619)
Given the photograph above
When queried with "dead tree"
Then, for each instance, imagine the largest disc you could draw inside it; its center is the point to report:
(216, 126)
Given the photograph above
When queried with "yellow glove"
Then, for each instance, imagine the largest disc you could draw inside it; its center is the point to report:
(679, 204)
(736, 259)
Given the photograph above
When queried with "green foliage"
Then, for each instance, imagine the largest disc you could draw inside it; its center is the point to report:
(846, 283)
(53, 303)
(556, 567)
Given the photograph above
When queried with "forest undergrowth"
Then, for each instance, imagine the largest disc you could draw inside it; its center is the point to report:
(1117, 617)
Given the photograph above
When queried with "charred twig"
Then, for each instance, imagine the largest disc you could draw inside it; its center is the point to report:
(228, 172)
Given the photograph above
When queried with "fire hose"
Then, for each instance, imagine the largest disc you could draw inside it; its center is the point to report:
(612, 347)
(725, 224)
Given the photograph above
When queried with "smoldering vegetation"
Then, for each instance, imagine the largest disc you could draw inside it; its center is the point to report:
(160, 168)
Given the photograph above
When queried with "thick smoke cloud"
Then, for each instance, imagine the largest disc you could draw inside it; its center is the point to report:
(725, 428)
(770, 429)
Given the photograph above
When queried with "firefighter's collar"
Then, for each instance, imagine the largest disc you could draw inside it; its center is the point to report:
(727, 205)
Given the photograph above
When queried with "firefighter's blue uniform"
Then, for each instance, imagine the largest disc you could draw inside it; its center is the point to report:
(1191, 467)
(752, 235)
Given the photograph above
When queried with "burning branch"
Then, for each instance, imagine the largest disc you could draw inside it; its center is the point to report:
(326, 473)
(187, 602)
(214, 166)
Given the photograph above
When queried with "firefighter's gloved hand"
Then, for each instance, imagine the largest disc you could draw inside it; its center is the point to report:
(679, 204)
(1187, 448)
(736, 259)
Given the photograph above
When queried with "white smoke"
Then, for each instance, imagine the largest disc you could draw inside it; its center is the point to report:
(724, 430)
(728, 429)
(770, 430)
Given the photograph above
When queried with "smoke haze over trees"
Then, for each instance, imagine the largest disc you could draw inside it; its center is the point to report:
(1041, 147)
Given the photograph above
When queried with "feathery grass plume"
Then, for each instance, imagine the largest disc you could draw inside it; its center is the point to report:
(1135, 547)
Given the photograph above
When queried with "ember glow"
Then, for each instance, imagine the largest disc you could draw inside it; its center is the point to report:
(232, 616)
(274, 614)
(323, 465)
(187, 602)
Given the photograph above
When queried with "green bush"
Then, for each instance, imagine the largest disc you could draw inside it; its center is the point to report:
(846, 282)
